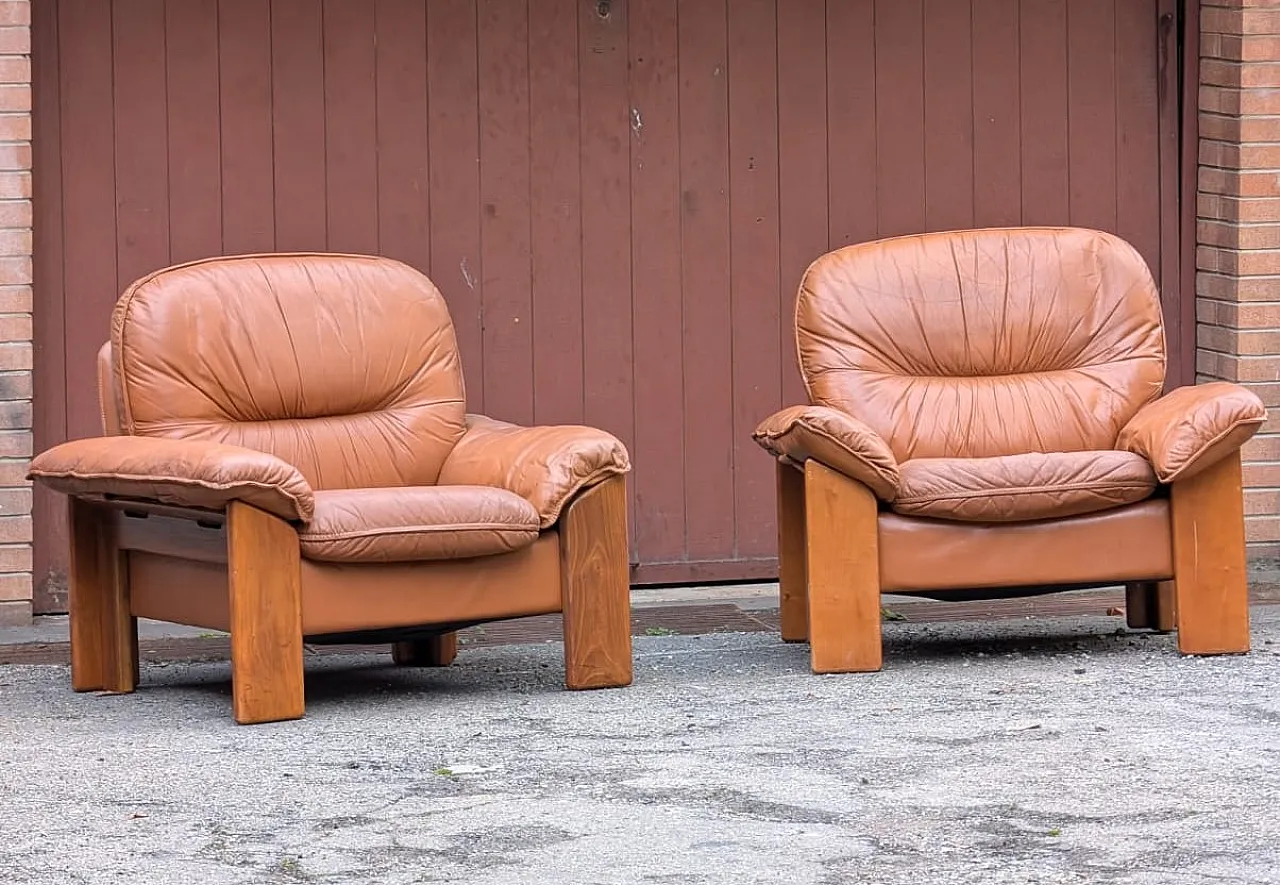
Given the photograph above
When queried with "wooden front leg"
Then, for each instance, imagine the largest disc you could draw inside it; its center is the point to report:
(842, 554)
(104, 634)
(1210, 577)
(265, 583)
(435, 651)
(595, 588)
(793, 582)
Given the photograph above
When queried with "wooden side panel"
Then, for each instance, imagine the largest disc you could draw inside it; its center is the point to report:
(754, 263)
(555, 212)
(244, 93)
(705, 268)
(50, 560)
(660, 521)
(803, 210)
(617, 200)
(298, 124)
(605, 137)
(453, 155)
(997, 113)
(195, 132)
(503, 41)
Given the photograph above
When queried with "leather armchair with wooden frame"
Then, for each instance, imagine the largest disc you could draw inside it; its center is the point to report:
(287, 455)
(986, 418)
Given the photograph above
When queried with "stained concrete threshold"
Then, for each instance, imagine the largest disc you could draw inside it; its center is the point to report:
(655, 612)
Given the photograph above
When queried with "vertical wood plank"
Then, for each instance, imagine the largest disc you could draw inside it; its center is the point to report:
(842, 563)
(607, 351)
(350, 127)
(659, 450)
(851, 115)
(248, 173)
(265, 577)
(298, 124)
(195, 131)
(596, 595)
(1091, 90)
(802, 165)
(1137, 130)
(141, 151)
(754, 263)
(1045, 189)
(997, 114)
(793, 578)
(899, 120)
(705, 260)
(404, 198)
(49, 400)
(503, 38)
(1209, 570)
(948, 115)
(555, 211)
(454, 178)
(89, 199)
(104, 635)
(1180, 139)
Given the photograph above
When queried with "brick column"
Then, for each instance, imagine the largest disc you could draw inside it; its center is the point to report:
(1238, 232)
(15, 311)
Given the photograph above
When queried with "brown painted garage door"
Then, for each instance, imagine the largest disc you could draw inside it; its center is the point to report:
(617, 196)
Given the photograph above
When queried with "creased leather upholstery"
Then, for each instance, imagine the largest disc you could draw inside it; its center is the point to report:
(184, 473)
(1193, 428)
(1022, 487)
(983, 343)
(344, 366)
(417, 524)
(837, 440)
(544, 465)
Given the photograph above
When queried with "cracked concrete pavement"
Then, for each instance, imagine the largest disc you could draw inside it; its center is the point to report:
(1051, 751)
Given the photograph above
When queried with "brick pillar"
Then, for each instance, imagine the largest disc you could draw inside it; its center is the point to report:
(1238, 232)
(15, 311)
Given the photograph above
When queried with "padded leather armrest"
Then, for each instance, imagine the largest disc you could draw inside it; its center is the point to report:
(836, 439)
(544, 465)
(183, 473)
(1192, 428)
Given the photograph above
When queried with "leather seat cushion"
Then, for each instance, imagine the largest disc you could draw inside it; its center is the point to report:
(1012, 488)
(415, 524)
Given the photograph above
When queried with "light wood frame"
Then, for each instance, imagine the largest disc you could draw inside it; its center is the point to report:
(256, 559)
(829, 567)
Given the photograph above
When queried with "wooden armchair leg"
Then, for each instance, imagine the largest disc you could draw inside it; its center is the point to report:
(595, 587)
(1149, 605)
(266, 616)
(1210, 577)
(843, 567)
(436, 651)
(104, 634)
(793, 589)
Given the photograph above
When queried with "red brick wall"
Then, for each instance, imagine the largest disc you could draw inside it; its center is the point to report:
(15, 310)
(1238, 259)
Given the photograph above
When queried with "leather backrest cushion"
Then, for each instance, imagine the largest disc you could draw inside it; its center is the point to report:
(984, 343)
(344, 366)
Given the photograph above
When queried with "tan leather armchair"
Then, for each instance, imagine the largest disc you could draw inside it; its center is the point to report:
(288, 455)
(986, 416)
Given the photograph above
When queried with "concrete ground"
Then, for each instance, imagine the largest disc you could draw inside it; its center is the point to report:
(1052, 751)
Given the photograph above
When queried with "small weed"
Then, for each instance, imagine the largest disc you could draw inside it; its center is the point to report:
(444, 771)
(1055, 832)
(291, 866)
(890, 615)
(659, 631)
(208, 635)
